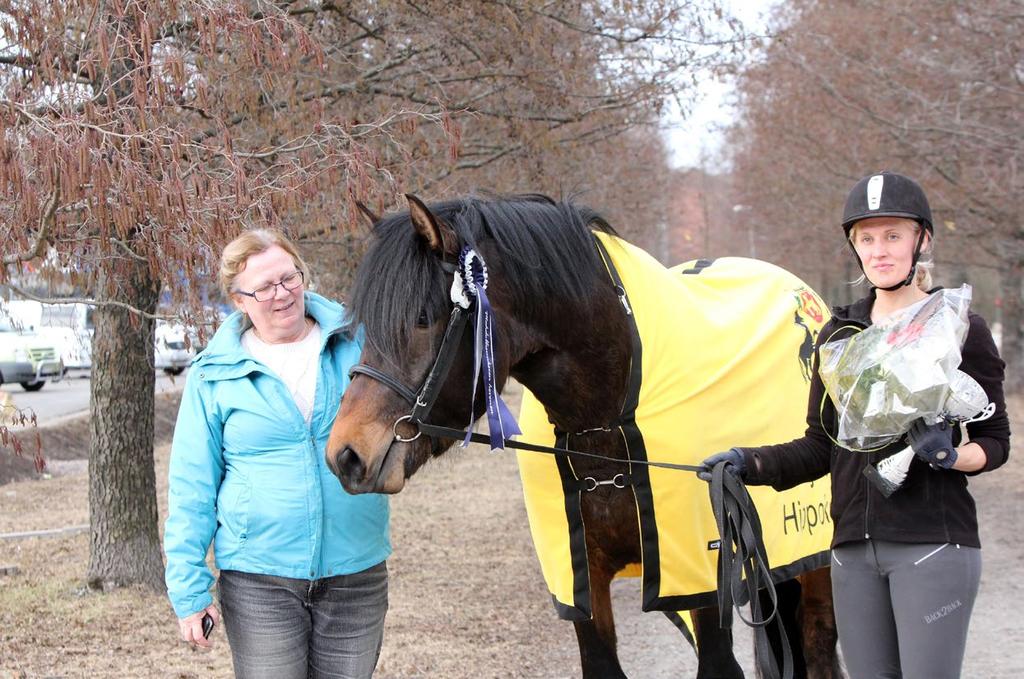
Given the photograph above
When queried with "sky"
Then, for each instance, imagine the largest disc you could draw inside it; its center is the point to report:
(700, 132)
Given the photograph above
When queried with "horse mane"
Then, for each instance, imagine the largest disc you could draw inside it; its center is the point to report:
(549, 243)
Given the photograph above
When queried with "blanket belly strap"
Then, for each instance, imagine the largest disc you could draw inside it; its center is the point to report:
(580, 609)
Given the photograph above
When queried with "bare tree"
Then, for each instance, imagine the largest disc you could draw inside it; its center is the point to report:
(932, 89)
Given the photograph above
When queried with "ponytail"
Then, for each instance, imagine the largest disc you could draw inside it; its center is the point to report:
(923, 276)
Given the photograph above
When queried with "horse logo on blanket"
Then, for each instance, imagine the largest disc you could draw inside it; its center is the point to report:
(725, 361)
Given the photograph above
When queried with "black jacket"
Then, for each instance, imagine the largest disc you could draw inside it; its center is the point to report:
(933, 505)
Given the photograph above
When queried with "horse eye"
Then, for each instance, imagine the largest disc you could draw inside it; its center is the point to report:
(423, 321)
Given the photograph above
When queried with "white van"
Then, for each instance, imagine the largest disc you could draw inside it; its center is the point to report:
(69, 328)
(66, 326)
(26, 358)
(172, 352)
(73, 324)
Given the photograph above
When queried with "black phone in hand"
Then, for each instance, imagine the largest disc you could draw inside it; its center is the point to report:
(207, 625)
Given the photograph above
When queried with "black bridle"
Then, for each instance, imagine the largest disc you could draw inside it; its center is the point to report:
(735, 513)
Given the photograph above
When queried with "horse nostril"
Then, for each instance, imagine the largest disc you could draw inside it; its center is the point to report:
(350, 466)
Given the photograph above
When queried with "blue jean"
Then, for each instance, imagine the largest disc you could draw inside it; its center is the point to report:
(282, 628)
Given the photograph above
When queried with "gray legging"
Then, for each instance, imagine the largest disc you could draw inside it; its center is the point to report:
(903, 608)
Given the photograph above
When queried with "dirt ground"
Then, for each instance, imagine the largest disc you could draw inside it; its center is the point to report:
(466, 595)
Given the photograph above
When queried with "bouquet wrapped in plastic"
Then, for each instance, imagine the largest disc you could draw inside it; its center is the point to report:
(893, 372)
(884, 378)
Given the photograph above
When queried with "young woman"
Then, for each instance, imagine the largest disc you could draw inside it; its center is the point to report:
(905, 569)
(303, 580)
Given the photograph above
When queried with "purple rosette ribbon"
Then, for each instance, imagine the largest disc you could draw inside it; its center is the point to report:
(472, 275)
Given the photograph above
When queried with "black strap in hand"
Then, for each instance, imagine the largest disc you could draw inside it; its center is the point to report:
(740, 528)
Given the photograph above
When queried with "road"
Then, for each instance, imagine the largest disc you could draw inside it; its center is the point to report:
(70, 396)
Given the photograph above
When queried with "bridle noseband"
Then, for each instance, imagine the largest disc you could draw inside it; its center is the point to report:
(381, 376)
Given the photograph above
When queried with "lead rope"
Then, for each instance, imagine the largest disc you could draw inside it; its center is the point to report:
(742, 551)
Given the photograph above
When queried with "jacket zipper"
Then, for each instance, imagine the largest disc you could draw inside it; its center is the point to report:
(867, 507)
(867, 483)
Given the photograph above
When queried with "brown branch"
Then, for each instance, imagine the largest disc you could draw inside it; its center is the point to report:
(324, 93)
(46, 222)
(85, 300)
(599, 31)
(369, 32)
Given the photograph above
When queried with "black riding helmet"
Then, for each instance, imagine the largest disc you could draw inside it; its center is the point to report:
(889, 194)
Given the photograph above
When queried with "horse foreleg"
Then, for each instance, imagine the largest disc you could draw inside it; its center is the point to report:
(596, 636)
(715, 659)
(819, 625)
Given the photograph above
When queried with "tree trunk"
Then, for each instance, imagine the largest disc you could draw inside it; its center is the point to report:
(1013, 325)
(124, 546)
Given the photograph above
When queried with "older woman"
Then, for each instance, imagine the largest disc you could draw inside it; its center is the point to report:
(303, 580)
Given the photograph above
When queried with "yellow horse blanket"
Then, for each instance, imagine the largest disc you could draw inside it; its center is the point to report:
(725, 360)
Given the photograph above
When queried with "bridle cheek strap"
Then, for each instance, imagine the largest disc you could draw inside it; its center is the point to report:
(422, 401)
(442, 365)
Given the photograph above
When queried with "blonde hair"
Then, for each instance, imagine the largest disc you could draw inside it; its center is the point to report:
(923, 277)
(237, 253)
(923, 273)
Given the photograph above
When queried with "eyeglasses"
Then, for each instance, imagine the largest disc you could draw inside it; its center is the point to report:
(267, 292)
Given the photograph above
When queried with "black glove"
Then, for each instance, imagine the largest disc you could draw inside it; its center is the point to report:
(733, 457)
(933, 443)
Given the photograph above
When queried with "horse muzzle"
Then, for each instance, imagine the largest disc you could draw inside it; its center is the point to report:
(387, 476)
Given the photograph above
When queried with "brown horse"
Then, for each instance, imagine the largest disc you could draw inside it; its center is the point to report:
(558, 329)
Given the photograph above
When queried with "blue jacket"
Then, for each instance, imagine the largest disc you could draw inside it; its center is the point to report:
(247, 472)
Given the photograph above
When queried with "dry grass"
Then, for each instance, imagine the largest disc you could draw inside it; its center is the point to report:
(51, 625)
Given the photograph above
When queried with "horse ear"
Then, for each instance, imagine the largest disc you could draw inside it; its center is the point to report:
(367, 212)
(439, 236)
